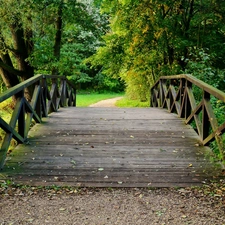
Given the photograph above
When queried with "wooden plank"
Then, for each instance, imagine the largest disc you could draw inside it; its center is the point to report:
(132, 148)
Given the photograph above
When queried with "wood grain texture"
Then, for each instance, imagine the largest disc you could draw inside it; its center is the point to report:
(112, 147)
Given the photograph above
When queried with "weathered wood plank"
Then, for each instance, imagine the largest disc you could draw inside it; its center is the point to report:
(111, 147)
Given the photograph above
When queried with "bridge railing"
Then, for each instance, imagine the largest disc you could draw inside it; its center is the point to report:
(48, 94)
(176, 94)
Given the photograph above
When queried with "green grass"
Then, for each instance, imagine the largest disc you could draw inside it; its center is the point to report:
(6, 113)
(84, 100)
(125, 102)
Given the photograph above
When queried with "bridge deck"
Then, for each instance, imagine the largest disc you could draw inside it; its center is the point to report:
(111, 147)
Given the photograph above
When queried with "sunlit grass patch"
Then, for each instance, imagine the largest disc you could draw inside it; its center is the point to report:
(125, 102)
(84, 100)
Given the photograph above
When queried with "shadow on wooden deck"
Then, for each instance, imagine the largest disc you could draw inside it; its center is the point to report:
(112, 147)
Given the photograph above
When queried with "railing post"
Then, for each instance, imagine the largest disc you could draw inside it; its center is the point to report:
(171, 99)
(205, 117)
(162, 95)
(151, 97)
(182, 97)
(21, 115)
(53, 95)
(187, 100)
(44, 97)
(75, 98)
(63, 92)
(38, 107)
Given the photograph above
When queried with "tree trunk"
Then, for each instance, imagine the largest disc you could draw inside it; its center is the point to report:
(58, 37)
(8, 78)
(21, 49)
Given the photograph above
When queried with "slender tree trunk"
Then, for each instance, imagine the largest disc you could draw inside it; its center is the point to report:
(58, 37)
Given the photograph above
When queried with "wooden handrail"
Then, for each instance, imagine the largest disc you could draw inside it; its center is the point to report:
(176, 94)
(44, 100)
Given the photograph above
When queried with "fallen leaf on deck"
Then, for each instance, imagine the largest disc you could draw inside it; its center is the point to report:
(73, 162)
(100, 169)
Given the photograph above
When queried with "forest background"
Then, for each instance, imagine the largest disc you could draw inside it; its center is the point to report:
(112, 44)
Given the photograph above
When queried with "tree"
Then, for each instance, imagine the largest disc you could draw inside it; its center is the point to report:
(159, 37)
(44, 35)
(14, 51)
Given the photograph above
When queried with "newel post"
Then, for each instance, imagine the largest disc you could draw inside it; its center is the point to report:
(205, 117)
(182, 97)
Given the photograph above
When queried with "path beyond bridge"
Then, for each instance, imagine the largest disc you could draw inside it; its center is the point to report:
(112, 147)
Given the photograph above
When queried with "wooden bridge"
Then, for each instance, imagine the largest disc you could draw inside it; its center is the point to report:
(113, 147)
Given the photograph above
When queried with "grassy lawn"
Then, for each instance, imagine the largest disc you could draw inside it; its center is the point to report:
(125, 102)
(84, 100)
(6, 113)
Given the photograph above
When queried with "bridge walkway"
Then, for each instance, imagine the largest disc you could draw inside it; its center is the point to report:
(111, 147)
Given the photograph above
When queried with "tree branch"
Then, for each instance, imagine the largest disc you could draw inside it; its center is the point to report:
(10, 69)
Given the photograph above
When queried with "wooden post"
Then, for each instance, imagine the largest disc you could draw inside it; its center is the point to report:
(187, 100)
(182, 97)
(205, 117)
(21, 120)
(44, 97)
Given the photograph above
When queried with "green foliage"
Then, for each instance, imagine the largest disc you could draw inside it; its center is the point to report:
(82, 28)
(153, 38)
(86, 99)
(35, 21)
(103, 82)
(2, 86)
(201, 66)
(6, 110)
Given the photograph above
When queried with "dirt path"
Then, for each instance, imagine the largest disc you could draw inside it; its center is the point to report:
(110, 207)
(106, 103)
